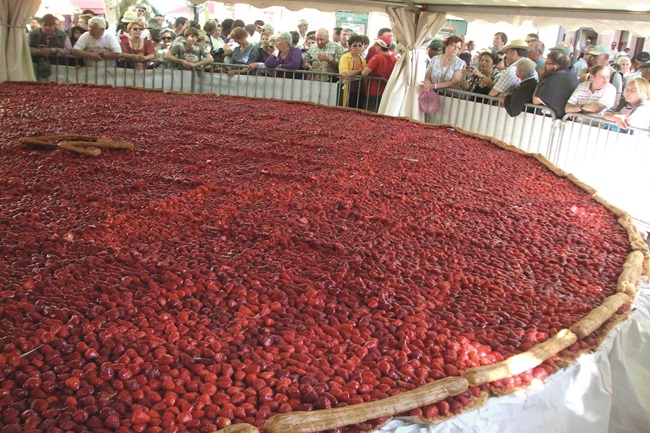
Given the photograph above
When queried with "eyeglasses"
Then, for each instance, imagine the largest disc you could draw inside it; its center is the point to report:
(166, 38)
(357, 45)
(138, 29)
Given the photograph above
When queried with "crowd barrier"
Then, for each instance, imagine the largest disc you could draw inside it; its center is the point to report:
(614, 162)
(307, 86)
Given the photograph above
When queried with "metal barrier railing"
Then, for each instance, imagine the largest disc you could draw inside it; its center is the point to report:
(309, 86)
(531, 131)
(615, 162)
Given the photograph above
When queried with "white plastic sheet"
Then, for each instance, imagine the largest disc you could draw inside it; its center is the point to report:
(605, 391)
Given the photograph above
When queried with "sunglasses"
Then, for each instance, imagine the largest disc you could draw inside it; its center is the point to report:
(357, 45)
(167, 38)
(138, 29)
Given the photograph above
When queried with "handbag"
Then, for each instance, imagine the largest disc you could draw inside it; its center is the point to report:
(429, 101)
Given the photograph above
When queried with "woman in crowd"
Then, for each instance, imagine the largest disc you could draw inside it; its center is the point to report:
(625, 65)
(481, 80)
(380, 67)
(558, 81)
(135, 49)
(351, 66)
(634, 109)
(287, 56)
(187, 53)
(446, 70)
(266, 49)
(167, 37)
(242, 54)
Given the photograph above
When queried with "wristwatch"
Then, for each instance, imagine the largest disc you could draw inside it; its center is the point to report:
(582, 107)
(101, 54)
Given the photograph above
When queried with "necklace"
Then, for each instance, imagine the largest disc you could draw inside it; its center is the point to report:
(139, 46)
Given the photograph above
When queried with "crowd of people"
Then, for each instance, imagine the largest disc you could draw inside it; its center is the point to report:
(231, 47)
(601, 82)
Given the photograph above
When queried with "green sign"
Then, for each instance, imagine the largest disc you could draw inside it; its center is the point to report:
(453, 27)
(357, 22)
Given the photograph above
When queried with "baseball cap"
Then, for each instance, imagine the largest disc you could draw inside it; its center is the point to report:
(436, 45)
(643, 56)
(598, 50)
(562, 48)
(384, 41)
(268, 27)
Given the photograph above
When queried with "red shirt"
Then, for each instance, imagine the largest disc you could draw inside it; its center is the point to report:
(382, 66)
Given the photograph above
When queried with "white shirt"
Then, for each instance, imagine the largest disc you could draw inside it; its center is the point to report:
(106, 42)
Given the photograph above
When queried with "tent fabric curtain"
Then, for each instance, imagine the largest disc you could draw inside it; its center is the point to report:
(16, 63)
(415, 32)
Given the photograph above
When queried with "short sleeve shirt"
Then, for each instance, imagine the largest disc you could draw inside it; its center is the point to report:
(333, 50)
(106, 42)
(583, 95)
(192, 55)
(442, 74)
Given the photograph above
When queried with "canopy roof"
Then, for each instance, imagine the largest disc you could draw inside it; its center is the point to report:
(601, 15)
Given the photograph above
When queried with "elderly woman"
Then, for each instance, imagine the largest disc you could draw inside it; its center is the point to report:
(481, 80)
(446, 70)
(286, 56)
(634, 109)
(167, 37)
(351, 65)
(242, 54)
(136, 50)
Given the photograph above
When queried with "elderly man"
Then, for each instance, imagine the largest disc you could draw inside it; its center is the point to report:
(45, 43)
(595, 96)
(324, 55)
(514, 103)
(97, 44)
(514, 52)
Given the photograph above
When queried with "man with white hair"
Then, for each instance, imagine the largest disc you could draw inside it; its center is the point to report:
(97, 44)
(514, 103)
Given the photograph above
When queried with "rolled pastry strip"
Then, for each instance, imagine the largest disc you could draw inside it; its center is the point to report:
(320, 420)
(84, 150)
(517, 364)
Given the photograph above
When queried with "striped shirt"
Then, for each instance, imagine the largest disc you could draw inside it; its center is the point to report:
(583, 95)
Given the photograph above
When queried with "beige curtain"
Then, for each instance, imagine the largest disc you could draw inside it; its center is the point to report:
(415, 33)
(15, 63)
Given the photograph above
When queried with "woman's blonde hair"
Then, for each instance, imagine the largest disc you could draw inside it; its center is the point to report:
(133, 24)
(642, 87)
(238, 33)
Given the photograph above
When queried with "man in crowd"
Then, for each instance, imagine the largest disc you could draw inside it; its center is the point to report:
(583, 63)
(434, 49)
(46, 43)
(523, 94)
(336, 34)
(345, 34)
(97, 44)
(499, 41)
(324, 55)
(373, 49)
(637, 61)
(601, 57)
(595, 96)
(303, 25)
(161, 21)
(508, 80)
(536, 54)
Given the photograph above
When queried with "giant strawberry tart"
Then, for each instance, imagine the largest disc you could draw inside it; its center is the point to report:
(281, 265)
